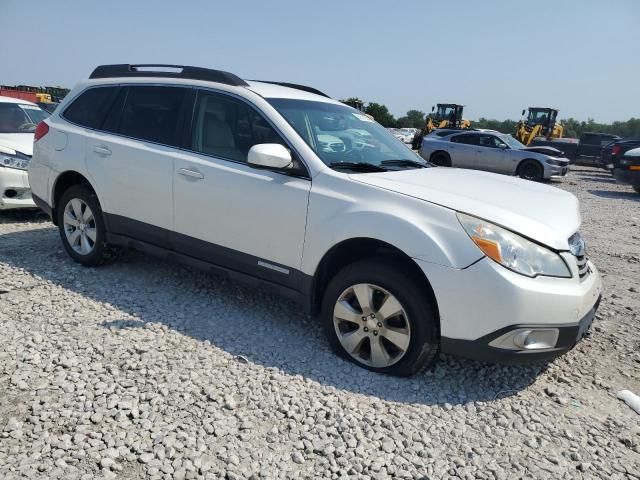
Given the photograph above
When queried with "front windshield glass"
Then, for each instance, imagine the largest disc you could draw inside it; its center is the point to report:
(20, 118)
(444, 112)
(512, 142)
(339, 133)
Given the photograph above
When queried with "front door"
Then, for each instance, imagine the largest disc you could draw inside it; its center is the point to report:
(229, 213)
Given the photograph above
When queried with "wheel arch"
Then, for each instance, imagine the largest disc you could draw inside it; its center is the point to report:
(352, 250)
(62, 183)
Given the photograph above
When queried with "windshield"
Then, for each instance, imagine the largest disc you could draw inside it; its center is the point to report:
(338, 133)
(20, 118)
(444, 112)
(512, 142)
(538, 116)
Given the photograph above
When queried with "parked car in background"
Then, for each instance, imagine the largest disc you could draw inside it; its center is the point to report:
(587, 150)
(399, 260)
(48, 107)
(493, 152)
(18, 120)
(626, 168)
(407, 134)
(615, 150)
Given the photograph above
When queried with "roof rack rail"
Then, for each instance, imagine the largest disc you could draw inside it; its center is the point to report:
(296, 86)
(179, 71)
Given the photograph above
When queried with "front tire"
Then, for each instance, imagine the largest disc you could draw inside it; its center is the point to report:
(531, 170)
(380, 318)
(81, 227)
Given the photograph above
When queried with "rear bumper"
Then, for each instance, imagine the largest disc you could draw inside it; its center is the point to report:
(629, 177)
(14, 189)
(481, 349)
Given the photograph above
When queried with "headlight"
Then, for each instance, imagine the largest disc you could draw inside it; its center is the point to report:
(552, 161)
(18, 161)
(513, 251)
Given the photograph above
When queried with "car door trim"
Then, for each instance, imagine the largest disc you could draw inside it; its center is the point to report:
(166, 243)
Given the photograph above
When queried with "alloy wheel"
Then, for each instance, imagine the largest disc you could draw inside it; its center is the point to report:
(79, 226)
(372, 325)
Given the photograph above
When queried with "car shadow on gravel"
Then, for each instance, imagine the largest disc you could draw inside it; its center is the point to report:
(22, 216)
(247, 324)
(615, 194)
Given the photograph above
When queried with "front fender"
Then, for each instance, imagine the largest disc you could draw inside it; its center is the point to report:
(420, 229)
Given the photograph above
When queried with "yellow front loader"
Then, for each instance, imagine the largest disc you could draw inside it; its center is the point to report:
(540, 122)
(447, 115)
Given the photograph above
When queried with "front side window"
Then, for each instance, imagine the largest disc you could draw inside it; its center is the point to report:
(90, 108)
(152, 113)
(339, 134)
(20, 118)
(228, 128)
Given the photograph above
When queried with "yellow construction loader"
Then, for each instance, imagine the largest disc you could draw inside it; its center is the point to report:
(447, 115)
(540, 122)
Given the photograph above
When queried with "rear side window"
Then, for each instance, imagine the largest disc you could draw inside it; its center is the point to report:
(466, 139)
(152, 114)
(91, 107)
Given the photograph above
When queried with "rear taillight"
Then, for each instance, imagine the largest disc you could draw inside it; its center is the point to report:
(615, 150)
(41, 130)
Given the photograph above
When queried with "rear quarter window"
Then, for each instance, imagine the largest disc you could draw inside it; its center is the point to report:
(91, 107)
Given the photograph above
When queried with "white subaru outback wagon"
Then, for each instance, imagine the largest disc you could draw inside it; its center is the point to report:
(280, 185)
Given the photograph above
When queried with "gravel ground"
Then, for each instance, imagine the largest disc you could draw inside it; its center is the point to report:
(144, 369)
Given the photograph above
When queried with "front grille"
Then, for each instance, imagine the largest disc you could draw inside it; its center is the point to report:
(578, 249)
(583, 266)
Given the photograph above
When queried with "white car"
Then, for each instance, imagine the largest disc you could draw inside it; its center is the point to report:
(18, 120)
(400, 259)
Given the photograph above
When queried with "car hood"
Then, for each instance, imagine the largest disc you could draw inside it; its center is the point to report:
(552, 152)
(543, 213)
(20, 142)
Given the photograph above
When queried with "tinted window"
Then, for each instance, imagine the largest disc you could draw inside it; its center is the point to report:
(90, 108)
(228, 128)
(590, 138)
(490, 141)
(468, 139)
(152, 113)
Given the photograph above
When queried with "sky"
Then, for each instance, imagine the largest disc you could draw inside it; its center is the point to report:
(495, 57)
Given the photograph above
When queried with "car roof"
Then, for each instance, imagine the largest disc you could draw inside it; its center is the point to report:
(4, 99)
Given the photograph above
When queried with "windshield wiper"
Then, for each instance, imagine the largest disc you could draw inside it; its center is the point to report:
(404, 163)
(362, 166)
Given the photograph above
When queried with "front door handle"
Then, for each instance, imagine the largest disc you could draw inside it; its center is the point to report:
(102, 150)
(190, 173)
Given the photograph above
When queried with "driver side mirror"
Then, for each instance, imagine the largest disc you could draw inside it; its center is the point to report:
(523, 112)
(269, 155)
(433, 108)
(503, 146)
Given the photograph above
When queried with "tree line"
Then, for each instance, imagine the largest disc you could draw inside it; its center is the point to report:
(572, 128)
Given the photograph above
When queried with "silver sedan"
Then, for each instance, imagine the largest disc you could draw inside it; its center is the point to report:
(493, 152)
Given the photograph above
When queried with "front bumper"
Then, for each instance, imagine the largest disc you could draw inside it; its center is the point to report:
(555, 171)
(485, 301)
(629, 177)
(14, 189)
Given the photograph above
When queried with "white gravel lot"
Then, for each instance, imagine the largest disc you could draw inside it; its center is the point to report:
(144, 369)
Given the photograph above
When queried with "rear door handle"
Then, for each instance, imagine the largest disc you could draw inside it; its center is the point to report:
(102, 150)
(190, 173)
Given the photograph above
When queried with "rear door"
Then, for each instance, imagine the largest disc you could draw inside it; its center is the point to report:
(463, 150)
(131, 157)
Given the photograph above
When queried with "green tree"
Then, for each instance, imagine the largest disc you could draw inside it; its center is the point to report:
(381, 114)
(354, 102)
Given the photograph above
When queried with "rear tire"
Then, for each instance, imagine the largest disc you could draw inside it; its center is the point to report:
(442, 159)
(81, 227)
(399, 309)
(531, 170)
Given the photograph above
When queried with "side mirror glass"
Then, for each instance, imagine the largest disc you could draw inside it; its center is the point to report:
(269, 155)
(523, 113)
(503, 146)
(433, 108)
